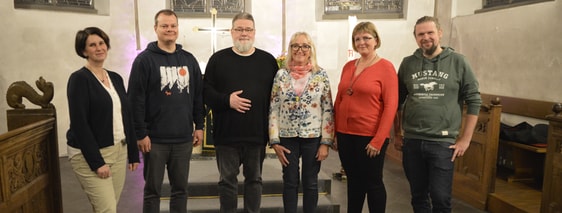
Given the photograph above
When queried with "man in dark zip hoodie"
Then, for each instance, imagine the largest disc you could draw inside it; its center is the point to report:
(166, 93)
(434, 84)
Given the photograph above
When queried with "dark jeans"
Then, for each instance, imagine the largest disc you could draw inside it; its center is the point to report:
(429, 170)
(305, 148)
(229, 159)
(364, 174)
(176, 158)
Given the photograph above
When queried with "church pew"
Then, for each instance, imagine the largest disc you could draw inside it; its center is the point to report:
(475, 171)
(475, 179)
(518, 188)
(525, 160)
(29, 169)
(552, 183)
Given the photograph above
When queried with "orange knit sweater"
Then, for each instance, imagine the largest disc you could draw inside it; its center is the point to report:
(371, 109)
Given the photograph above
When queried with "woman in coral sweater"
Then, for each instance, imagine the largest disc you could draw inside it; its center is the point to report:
(364, 109)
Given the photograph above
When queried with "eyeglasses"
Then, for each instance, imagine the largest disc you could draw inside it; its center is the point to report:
(296, 47)
(365, 39)
(241, 30)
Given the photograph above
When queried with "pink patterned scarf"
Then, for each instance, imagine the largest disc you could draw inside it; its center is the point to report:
(297, 72)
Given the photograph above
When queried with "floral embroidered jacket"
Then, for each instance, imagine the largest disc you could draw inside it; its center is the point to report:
(309, 115)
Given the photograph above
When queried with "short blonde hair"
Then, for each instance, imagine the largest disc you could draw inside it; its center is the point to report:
(366, 27)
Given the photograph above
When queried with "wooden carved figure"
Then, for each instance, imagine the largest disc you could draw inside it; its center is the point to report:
(21, 89)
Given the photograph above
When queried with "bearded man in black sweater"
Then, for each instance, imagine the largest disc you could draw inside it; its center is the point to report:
(237, 88)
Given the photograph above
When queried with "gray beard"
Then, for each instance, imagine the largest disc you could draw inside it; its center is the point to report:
(243, 47)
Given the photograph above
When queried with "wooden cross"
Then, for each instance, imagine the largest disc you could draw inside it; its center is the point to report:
(213, 29)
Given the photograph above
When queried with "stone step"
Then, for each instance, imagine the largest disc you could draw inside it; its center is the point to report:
(273, 187)
(204, 177)
(269, 204)
(203, 189)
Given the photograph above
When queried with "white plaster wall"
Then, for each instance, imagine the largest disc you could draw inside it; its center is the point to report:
(332, 36)
(514, 52)
(41, 43)
(462, 8)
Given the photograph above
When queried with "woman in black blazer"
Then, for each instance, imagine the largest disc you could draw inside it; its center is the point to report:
(101, 133)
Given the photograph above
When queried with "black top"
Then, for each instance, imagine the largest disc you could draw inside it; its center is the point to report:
(228, 72)
(91, 116)
(166, 93)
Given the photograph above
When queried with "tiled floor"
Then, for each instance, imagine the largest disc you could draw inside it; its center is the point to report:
(75, 201)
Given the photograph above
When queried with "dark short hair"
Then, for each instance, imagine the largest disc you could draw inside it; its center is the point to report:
(243, 15)
(167, 12)
(82, 36)
(427, 19)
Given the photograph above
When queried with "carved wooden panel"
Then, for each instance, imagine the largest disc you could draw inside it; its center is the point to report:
(475, 172)
(26, 166)
(29, 171)
(554, 202)
(552, 183)
(471, 165)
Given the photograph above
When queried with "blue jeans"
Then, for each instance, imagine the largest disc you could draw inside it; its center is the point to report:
(176, 158)
(305, 148)
(364, 174)
(429, 170)
(229, 159)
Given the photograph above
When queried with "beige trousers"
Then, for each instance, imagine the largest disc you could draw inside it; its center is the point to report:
(103, 193)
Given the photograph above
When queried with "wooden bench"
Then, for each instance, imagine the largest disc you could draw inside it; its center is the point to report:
(526, 161)
(475, 172)
(29, 163)
(520, 190)
(475, 179)
(552, 185)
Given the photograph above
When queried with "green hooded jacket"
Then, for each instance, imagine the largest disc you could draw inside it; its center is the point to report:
(432, 93)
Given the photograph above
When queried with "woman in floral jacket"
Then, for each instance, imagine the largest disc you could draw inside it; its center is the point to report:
(301, 122)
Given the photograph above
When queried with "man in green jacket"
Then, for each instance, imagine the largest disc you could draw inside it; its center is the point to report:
(434, 84)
